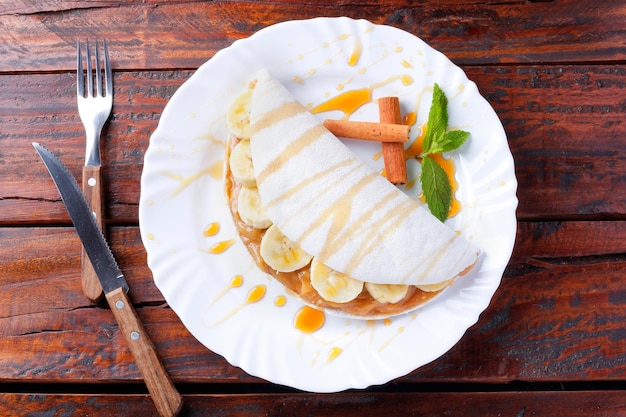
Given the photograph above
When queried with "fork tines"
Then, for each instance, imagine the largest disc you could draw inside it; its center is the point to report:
(108, 75)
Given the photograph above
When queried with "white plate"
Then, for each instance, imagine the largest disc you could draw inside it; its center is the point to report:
(182, 194)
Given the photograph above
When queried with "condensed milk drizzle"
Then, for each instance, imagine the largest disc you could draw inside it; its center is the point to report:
(255, 295)
(309, 320)
(333, 171)
(352, 60)
(235, 282)
(398, 330)
(350, 101)
(184, 182)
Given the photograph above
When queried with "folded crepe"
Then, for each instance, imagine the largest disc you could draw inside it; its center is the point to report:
(336, 234)
(321, 196)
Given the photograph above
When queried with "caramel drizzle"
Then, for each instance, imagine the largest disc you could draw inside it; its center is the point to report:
(339, 213)
(436, 258)
(385, 225)
(295, 147)
(282, 112)
(313, 179)
(339, 216)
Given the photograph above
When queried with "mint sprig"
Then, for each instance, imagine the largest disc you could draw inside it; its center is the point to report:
(435, 183)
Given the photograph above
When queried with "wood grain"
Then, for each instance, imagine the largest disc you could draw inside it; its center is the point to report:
(568, 165)
(152, 35)
(518, 404)
(549, 293)
(550, 343)
(166, 398)
(92, 188)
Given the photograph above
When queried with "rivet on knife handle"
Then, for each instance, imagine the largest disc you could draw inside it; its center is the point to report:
(92, 188)
(165, 396)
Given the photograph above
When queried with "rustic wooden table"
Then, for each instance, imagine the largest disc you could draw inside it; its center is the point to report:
(551, 343)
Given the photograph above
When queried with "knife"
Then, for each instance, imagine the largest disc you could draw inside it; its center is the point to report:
(165, 396)
(92, 180)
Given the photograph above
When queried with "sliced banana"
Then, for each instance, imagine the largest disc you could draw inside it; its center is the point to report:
(332, 285)
(240, 162)
(435, 287)
(238, 115)
(280, 253)
(251, 210)
(387, 293)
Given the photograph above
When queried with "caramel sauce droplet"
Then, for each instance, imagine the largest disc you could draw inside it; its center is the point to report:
(409, 119)
(334, 352)
(353, 59)
(280, 301)
(415, 148)
(309, 320)
(220, 247)
(347, 102)
(237, 281)
(212, 229)
(256, 294)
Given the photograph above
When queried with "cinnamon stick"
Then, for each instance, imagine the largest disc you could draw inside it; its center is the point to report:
(381, 132)
(393, 152)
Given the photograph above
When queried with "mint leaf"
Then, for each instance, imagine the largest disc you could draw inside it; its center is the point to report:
(436, 188)
(453, 140)
(435, 183)
(437, 120)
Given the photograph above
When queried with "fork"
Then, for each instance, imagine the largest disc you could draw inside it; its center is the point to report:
(94, 108)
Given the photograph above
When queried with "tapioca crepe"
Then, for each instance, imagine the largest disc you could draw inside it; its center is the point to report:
(327, 201)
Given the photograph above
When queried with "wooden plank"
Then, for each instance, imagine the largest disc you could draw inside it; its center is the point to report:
(22, 7)
(558, 310)
(49, 115)
(142, 35)
(565, 126)
(566, 241)
(546, 322)
(37, 255)
(478, 404)
(563, 129)
(50, 331)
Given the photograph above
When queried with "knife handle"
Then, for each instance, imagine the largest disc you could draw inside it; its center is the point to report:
(92, 188)
(166, 398)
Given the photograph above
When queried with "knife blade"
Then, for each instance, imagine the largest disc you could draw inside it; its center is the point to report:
(164, 394)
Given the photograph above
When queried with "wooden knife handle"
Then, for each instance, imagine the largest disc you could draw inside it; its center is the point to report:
(92, 188)
(166, 398)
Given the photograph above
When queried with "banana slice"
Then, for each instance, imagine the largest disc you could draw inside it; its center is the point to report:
(238, 115)
(280, 253)
(332, 285)
(435, 287)
(251, 210)
(240, 162)
(387, 293)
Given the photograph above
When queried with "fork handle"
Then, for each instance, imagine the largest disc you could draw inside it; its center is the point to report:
(92, 188)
